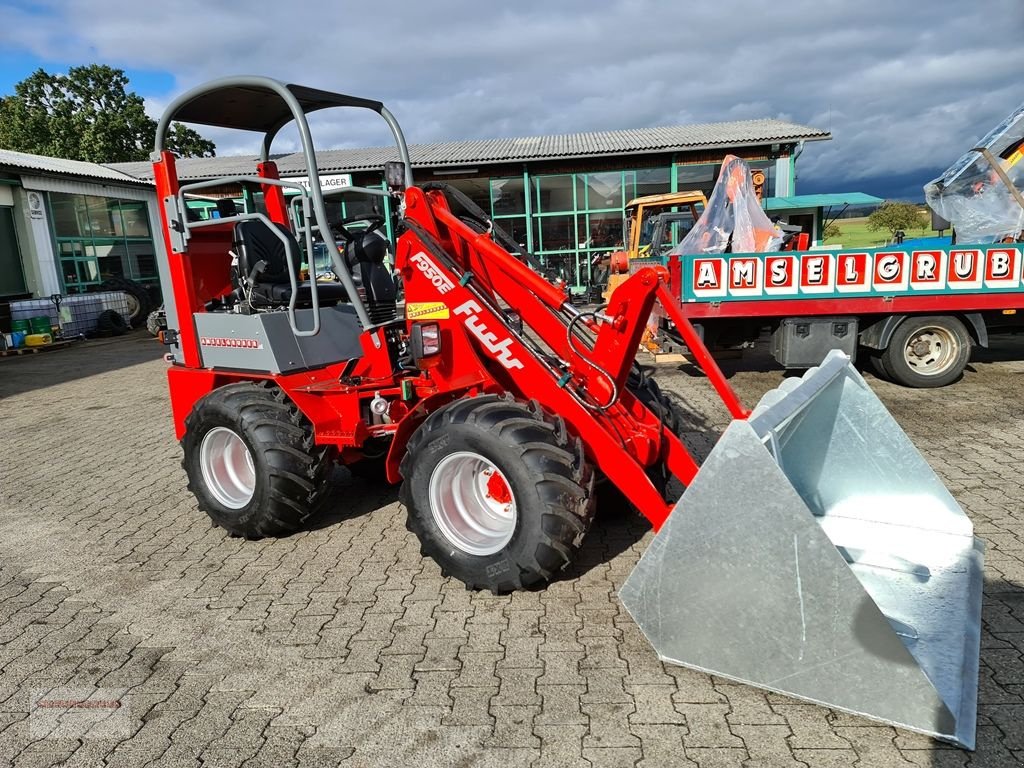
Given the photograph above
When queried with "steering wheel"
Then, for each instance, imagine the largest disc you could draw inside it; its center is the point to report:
(374, 221)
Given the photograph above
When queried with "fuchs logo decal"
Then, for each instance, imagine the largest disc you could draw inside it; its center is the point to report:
(431, 272)
(488, 338)
(220, 341)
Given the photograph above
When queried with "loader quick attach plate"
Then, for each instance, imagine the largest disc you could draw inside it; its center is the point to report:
(816, 554)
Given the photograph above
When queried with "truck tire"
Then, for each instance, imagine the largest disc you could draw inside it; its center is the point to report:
(927, 351)
(497, 492)
(251, 461)
(874, 357)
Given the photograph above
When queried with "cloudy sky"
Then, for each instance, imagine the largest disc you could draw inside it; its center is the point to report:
(905, 86)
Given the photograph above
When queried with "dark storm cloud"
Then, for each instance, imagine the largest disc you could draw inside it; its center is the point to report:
(904, 86)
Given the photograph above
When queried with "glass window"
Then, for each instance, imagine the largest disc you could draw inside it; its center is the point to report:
(144, 257)
(65, 215)
(507, 196)
(101, 237)
(98, 216)
(604, 231)
(556, 193)
(700, 176)
(604, 190)
(477, 190)
(653, 181)
(110, 255)
(558, 233)
(136, 219)
(516, 228)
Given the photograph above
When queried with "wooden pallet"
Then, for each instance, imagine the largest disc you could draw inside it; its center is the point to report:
(35, 350)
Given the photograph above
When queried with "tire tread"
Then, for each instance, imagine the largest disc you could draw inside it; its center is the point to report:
(565, 486)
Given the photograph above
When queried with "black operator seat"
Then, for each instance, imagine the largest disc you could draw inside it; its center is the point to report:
(271, 285)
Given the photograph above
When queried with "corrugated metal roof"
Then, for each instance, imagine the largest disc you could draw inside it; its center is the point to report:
(490, 151)
(23, 161)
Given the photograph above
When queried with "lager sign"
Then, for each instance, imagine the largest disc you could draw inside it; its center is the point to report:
(876, 272)
(327, 180)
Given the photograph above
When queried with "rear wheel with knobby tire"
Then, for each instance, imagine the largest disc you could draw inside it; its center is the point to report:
(927, 351)
(497, 491)
(251, 461)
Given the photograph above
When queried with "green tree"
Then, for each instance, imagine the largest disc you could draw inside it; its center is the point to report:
(894, 215)
(832, 231)
(87, 114)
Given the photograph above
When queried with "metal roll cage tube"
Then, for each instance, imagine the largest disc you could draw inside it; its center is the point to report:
(292, 271)
(305, 137)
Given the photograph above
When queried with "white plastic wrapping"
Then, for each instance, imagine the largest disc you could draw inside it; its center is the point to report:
(733, 219)
(970, 195)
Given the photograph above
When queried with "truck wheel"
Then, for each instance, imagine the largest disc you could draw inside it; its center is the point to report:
(878, 364)
(251, 461)
(498, 493)
(929, 351)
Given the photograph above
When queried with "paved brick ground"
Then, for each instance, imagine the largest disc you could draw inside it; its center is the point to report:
(342, 645)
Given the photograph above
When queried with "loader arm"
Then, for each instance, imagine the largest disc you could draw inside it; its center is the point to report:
(575, 364)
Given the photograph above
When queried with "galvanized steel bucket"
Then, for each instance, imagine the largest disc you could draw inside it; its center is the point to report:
(816, 554)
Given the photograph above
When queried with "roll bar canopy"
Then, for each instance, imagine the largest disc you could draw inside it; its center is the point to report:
(255, 103)
(266, 105)
(258, 109)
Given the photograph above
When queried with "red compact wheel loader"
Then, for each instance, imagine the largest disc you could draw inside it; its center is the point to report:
(814, 553)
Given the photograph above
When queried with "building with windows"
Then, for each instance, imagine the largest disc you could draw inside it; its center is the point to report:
(65, 226)
(562, 197)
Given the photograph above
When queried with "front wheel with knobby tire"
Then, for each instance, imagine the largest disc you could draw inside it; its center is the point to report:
(251, 461)
(927, 351)
(497, 491)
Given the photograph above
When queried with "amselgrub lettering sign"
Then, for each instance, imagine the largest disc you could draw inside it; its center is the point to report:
(873, 272)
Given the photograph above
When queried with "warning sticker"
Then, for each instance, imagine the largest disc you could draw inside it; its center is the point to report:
(427, 310)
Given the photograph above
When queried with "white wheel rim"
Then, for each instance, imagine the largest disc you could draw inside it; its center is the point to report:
(134, 306)
(931, 351)
(227, 467)
(472, 504)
